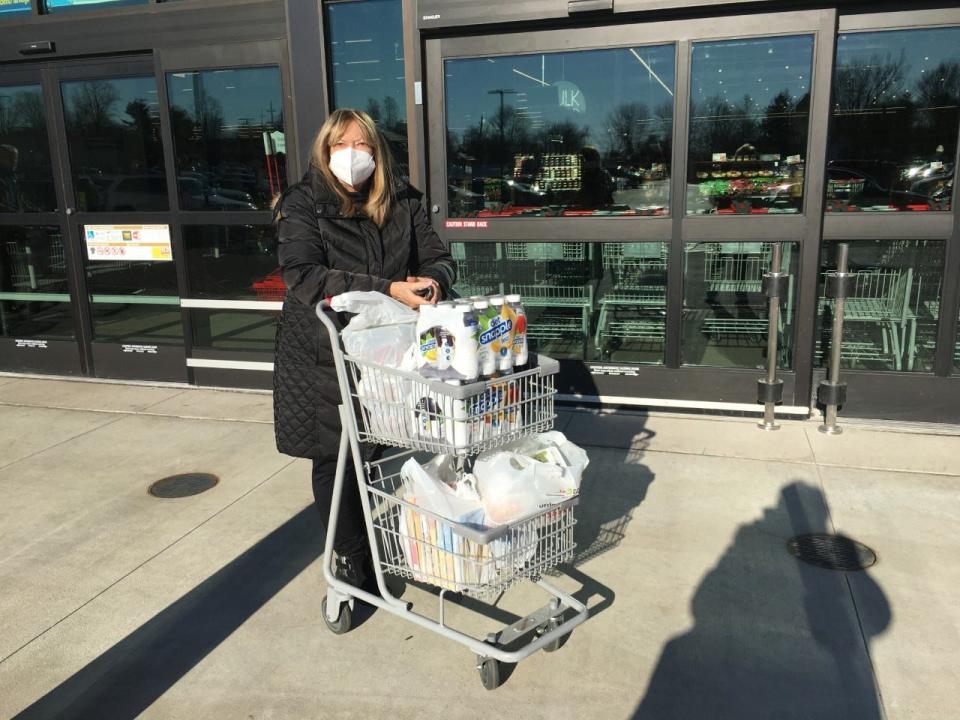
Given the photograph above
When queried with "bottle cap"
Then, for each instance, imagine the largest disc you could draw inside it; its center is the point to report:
(496, 300)
(513, 298)
(481, 303)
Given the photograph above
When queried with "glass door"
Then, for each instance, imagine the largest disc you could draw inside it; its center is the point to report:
(117, 188)
(38, 320)
(631, 184)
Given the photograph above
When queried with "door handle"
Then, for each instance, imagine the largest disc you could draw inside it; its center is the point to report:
(69, 211)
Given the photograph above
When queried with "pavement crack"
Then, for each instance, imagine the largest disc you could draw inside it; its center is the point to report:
(149, 559)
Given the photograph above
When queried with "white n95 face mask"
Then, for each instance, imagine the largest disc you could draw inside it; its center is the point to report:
(352, 166)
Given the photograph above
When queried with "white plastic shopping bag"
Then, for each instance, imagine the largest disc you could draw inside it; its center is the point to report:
(528, 476)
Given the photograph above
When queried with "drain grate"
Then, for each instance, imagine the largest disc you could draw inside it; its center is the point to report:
(183, 485)
(833, 552)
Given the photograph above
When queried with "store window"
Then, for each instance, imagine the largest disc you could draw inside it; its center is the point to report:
(134, 302)
(749, 111)
(233, 263)
(568, 134)
(26, 177)
(896, 107)
(15, 7)
(584, 301)
(113, 135)
(243, 331)
(890, 316)
(725, 312)
(228, 131)
(34, 297)
(56, 6)
(367, 68)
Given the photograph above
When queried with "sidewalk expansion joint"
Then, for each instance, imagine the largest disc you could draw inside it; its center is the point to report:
(136, 412)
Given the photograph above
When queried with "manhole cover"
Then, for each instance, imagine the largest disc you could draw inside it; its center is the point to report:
(834, 552)
(183, 485)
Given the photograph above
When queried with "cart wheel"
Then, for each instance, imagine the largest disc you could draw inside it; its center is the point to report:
(489, 672)
(343, 621)
(552, 624)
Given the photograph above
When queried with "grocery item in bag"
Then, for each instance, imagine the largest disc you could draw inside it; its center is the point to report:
(528, 476)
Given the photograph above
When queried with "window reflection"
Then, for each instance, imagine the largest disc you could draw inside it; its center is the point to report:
(113, 134)
(228, 131)
(601, 301)
(15, 7)
(34, 297)
(367, 69)
(134, 302)
(234, 330)
(890, 317)
(583, 133)
(725, 312)
(55, 6)
(749, 106)
(895, 119)
(26, 176)
(233, 263)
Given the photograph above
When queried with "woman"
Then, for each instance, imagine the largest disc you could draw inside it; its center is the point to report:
(350, 224)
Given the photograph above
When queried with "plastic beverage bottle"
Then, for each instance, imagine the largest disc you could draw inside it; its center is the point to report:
(521, 352)
(485, 352)
(502, 328)
(427, 336)
(466, 331)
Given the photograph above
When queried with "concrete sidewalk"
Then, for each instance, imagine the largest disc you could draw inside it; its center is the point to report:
(116, 604)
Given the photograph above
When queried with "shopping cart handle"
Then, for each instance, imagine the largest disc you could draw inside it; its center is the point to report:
(324, 316)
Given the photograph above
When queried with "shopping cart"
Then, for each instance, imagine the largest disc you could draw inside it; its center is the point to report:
(402, 409)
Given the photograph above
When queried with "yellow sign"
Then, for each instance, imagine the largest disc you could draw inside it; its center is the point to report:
(128, 242)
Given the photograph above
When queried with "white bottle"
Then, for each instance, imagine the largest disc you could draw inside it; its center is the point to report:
(521, 351)
(427, 336)
(465, 358)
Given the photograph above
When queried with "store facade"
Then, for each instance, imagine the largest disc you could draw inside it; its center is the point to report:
(628, 167)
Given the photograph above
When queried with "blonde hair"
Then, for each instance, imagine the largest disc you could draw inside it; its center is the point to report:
(382, 183)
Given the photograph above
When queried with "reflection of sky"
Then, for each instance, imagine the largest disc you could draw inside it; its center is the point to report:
(125, 90)
(248, 96)
(604, 78)
(922, 50)
(759, 68)
(366, 52)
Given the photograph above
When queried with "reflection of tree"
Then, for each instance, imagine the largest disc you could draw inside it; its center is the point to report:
(883, 120)
(21, 111)
(92, 105)
(144, 128)
(208, 116)
(865, 83)
(718, 125)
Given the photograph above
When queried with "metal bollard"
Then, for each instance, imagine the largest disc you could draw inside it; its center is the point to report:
(770, 388)
(831, 393)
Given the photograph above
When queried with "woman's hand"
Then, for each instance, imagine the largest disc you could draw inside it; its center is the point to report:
(415, 291)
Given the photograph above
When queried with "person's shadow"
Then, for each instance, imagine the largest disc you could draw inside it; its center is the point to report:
(774, 637)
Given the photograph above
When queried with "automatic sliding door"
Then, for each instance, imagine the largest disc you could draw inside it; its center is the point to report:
(37, 319)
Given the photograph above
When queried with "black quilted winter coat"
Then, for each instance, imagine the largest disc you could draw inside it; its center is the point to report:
(322, 253)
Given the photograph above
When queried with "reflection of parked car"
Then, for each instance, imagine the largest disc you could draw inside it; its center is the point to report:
(194, 196)
(137, 192)
(210, 186)
(846, 186)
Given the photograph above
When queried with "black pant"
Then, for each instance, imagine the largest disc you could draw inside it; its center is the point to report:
(351, 536)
